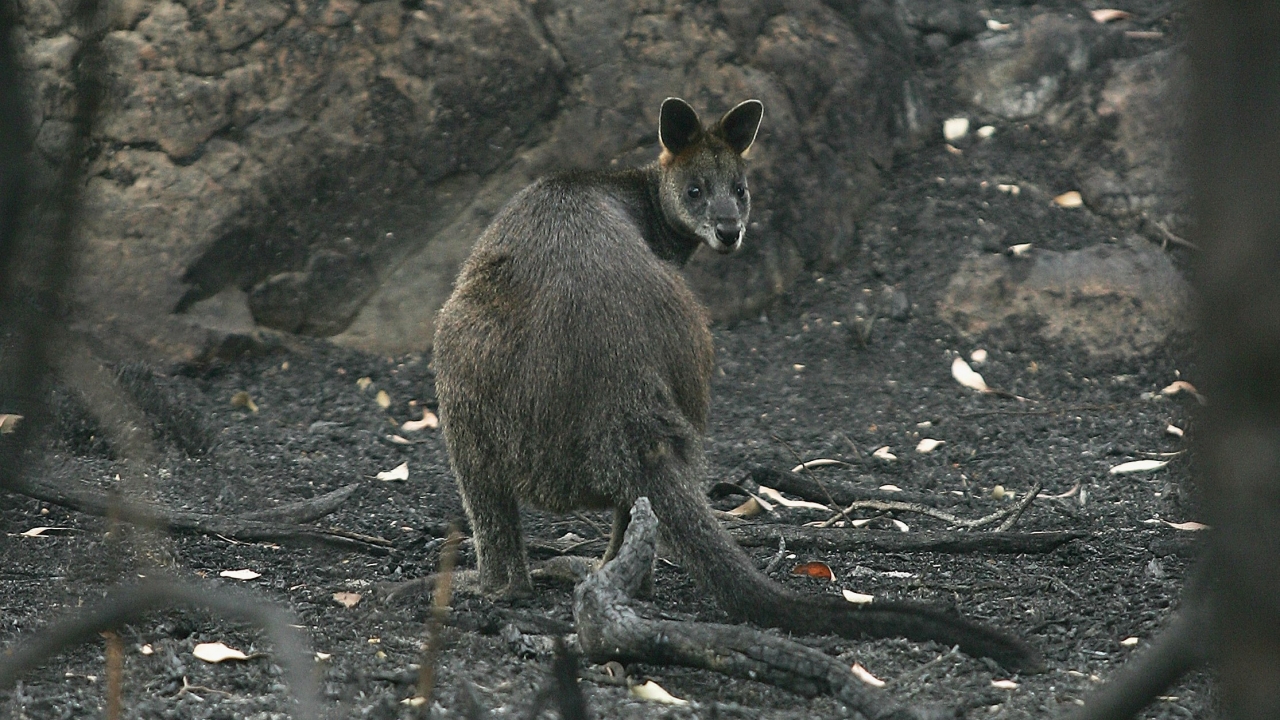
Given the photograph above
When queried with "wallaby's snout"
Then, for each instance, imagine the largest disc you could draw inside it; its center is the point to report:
(728, 224)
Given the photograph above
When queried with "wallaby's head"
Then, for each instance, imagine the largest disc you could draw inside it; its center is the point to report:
(703, 179)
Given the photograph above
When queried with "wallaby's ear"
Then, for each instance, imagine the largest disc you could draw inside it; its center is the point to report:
(739, 125)
(678, 125)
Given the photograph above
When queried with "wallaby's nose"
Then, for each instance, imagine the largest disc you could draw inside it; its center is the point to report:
(729, 232)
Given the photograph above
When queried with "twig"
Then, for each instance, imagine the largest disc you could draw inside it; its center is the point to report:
(1020, 508)
(894, 506)
(1170, 236)
(131, 603)
(115, 674)
(439, 610)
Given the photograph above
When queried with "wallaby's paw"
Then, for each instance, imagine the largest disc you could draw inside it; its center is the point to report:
(566, 569)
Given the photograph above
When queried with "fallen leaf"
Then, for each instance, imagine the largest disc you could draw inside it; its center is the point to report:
(43, 531)
(415, 701)
(398, 440)
(1069, 199)
(857, 598)
(752, 507)
(967, 377)
(1004, 684)
(955, 128)
(1129, 641)
(978, 356)
(322, 656)
(1191, 525)
(889, 488)
(1181, 386)
(901, 525)
(884, 454)
(1009, 189)
(777, 497)
(1174, 430)
(865, 676)
(1106, 15)
(347, 599)
(986, 131)
(240, 574)
(1138, 466)
(146, 649)
(9, 423)
(653, 692)
(928, 445)
(399, 472)
(820, 462)
(383, 399)
(997, 492)
(243, 399)
(1020, 250)
(429, 421)
(998, 26)
(815, 569)
(217, 652)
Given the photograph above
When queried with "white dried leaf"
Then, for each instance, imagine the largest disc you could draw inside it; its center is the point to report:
(901, 525)
(986, 131)
(1009, 189)
(752, 507)
(997, 492)
(1020, 250)
(347, 599)
(429, 421)
(865, 676)
(364, 382)
(857, 598)
(146, 649)
(955, 128)
(928, 445)
(383, 399)
(1174, 430)
(322, 656)
(1138, 466)
(1004, 684)
(217, 652)
(777, 497)
(43, 531)
(9, 423)
(653, 692)
(1181, 386)
(967, 377)
(998, 26)
(1190, 525)
(1070, 199)
(398, 440)
(884, 454)
(820, 462)
(1129, 641)
(1106, 15)
(245, 574)
(399, 472)
(889, 488)
(977, 357)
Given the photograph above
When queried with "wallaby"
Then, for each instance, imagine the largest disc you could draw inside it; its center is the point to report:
(573, 368)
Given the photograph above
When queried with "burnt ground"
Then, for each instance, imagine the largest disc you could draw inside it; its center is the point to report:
(794, 383)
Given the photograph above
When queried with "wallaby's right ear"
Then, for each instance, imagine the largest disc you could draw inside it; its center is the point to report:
(678, 126)
(740, 125)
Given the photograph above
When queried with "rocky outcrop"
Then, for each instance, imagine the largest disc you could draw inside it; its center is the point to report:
(329, 162)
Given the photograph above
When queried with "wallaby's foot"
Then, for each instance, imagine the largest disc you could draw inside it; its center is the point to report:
(462, 582)
(566, 569)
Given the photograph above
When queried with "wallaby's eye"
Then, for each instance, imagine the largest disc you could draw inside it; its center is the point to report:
(740, 190)
(694, 192)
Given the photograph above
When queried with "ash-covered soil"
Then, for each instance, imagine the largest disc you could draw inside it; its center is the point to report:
(797, 383)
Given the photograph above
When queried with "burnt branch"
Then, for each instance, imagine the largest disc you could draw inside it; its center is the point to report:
(244, 528)
(947, 541)
(611, 628)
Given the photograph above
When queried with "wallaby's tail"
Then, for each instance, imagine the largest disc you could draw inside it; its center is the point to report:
(721, 567)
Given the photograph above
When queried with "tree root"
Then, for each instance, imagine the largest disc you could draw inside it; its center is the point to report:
(273, 524)
(610, 628)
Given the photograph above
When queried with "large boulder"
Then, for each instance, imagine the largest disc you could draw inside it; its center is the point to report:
(328, 163)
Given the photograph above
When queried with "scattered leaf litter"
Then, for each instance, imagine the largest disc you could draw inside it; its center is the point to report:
(1070, 199)
(347, 599)
(245, 574)
(865, 676)
(653, 692)
(856, 597)
(399, 472)
(1138, 466)
(217, 652)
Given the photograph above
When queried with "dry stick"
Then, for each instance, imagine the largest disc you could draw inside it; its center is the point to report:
(115, 675)
(1020, 508)
(894, 506)
(439, 610)
(831, 501)
(130, 603)
(813, 539)
(609, 627)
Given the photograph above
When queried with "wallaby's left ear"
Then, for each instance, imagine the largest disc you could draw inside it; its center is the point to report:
(739, 125)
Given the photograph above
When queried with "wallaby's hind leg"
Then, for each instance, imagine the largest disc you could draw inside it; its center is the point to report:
(494, 514)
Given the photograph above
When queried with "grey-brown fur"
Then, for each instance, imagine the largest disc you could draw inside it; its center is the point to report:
(573, 371)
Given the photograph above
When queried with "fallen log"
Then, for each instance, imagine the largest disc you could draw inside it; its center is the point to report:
(943, 541)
